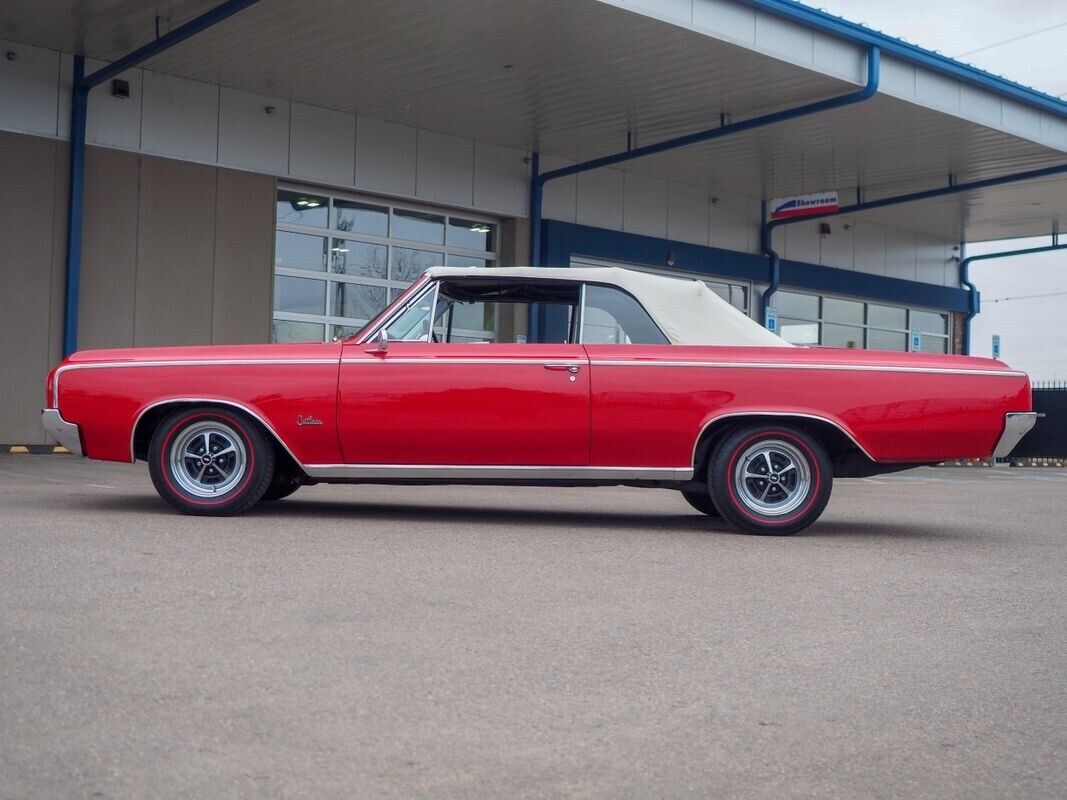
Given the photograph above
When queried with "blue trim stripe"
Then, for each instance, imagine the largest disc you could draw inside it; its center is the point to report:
(561, 240)
(842, 28)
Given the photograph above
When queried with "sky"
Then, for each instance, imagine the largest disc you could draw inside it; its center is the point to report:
(1023, 299)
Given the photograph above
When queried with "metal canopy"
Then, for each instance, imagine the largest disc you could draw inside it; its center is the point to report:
(572, 79)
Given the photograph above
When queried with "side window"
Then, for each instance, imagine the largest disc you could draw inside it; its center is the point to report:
(489, 312)
(611, 316)
(414, 324)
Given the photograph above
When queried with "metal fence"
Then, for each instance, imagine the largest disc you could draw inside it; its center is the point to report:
(1048, 438)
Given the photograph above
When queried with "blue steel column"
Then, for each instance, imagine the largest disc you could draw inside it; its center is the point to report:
(79, 111)
(974, 300)
(80, 88)
(767, 248)
(537, 191)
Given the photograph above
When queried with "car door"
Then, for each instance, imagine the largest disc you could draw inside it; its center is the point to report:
(425, 403)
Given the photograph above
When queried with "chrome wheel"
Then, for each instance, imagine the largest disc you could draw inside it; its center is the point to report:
(772, 477)
(208, 459)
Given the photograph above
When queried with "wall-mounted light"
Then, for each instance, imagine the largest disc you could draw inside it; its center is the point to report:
(120, 88)
(11, 55)
(270, 109)
(824, 229)
(670, 258)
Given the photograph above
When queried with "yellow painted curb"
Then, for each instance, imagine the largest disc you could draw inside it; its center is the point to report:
(19, 449)
(60, 449)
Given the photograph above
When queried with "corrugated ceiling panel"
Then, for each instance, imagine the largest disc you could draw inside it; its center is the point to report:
(572, 78)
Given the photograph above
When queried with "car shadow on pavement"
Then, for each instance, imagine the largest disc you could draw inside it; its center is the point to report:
(519, 515)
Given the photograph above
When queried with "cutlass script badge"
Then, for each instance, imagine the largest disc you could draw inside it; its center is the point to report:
(302, 420)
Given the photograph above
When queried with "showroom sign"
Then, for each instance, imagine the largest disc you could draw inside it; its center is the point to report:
(804, 205)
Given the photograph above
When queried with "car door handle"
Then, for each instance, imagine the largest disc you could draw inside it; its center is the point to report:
(571, 368)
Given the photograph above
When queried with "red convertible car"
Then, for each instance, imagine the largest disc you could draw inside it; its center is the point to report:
(537, 376)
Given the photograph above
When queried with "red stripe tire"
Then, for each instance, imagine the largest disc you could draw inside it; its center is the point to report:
(770, 479)
(210, 461)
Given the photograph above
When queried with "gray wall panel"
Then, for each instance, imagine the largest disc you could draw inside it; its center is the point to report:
(27, 226)
(109, 250)
(244, 258)
(175, 254)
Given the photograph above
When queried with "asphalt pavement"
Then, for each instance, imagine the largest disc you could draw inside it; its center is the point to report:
(459, 642)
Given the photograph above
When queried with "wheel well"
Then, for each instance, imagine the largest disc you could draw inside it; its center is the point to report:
(845, 455)
(151, 420)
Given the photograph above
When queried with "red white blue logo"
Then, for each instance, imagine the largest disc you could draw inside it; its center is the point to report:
(804, 205)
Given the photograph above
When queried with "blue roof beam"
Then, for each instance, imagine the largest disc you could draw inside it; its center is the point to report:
(539, 179)
(953, 187)
(891, 45)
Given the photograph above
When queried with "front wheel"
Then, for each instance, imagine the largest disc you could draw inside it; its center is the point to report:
(210, 461)
(770, 479)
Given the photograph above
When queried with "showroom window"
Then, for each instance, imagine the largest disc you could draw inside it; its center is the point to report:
(840, 322)
(340, 259)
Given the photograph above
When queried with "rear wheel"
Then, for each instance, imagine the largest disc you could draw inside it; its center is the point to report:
(770, 479)
(210, 461)
(702, 502)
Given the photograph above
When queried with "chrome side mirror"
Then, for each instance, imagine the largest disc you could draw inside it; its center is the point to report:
(381, 344)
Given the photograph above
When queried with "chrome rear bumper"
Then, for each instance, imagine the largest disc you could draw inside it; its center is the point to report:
(66, 433)
(1016, 426)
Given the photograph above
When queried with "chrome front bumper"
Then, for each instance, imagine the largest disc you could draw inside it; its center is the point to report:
(66, 433)
(1016, 426)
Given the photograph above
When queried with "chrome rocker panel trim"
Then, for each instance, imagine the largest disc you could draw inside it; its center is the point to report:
(66, 433)
(370, 472)
(1016, 426)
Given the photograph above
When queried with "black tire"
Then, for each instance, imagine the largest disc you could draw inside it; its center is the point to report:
(702, 502)
(770, 479)
(281, 486)
(210, 461)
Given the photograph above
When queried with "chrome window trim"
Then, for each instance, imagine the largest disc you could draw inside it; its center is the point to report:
(581, 315)
(372, 333)
(488, 472)
(433, 311)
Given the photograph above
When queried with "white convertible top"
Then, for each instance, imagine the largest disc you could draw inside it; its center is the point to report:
(685, 309)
